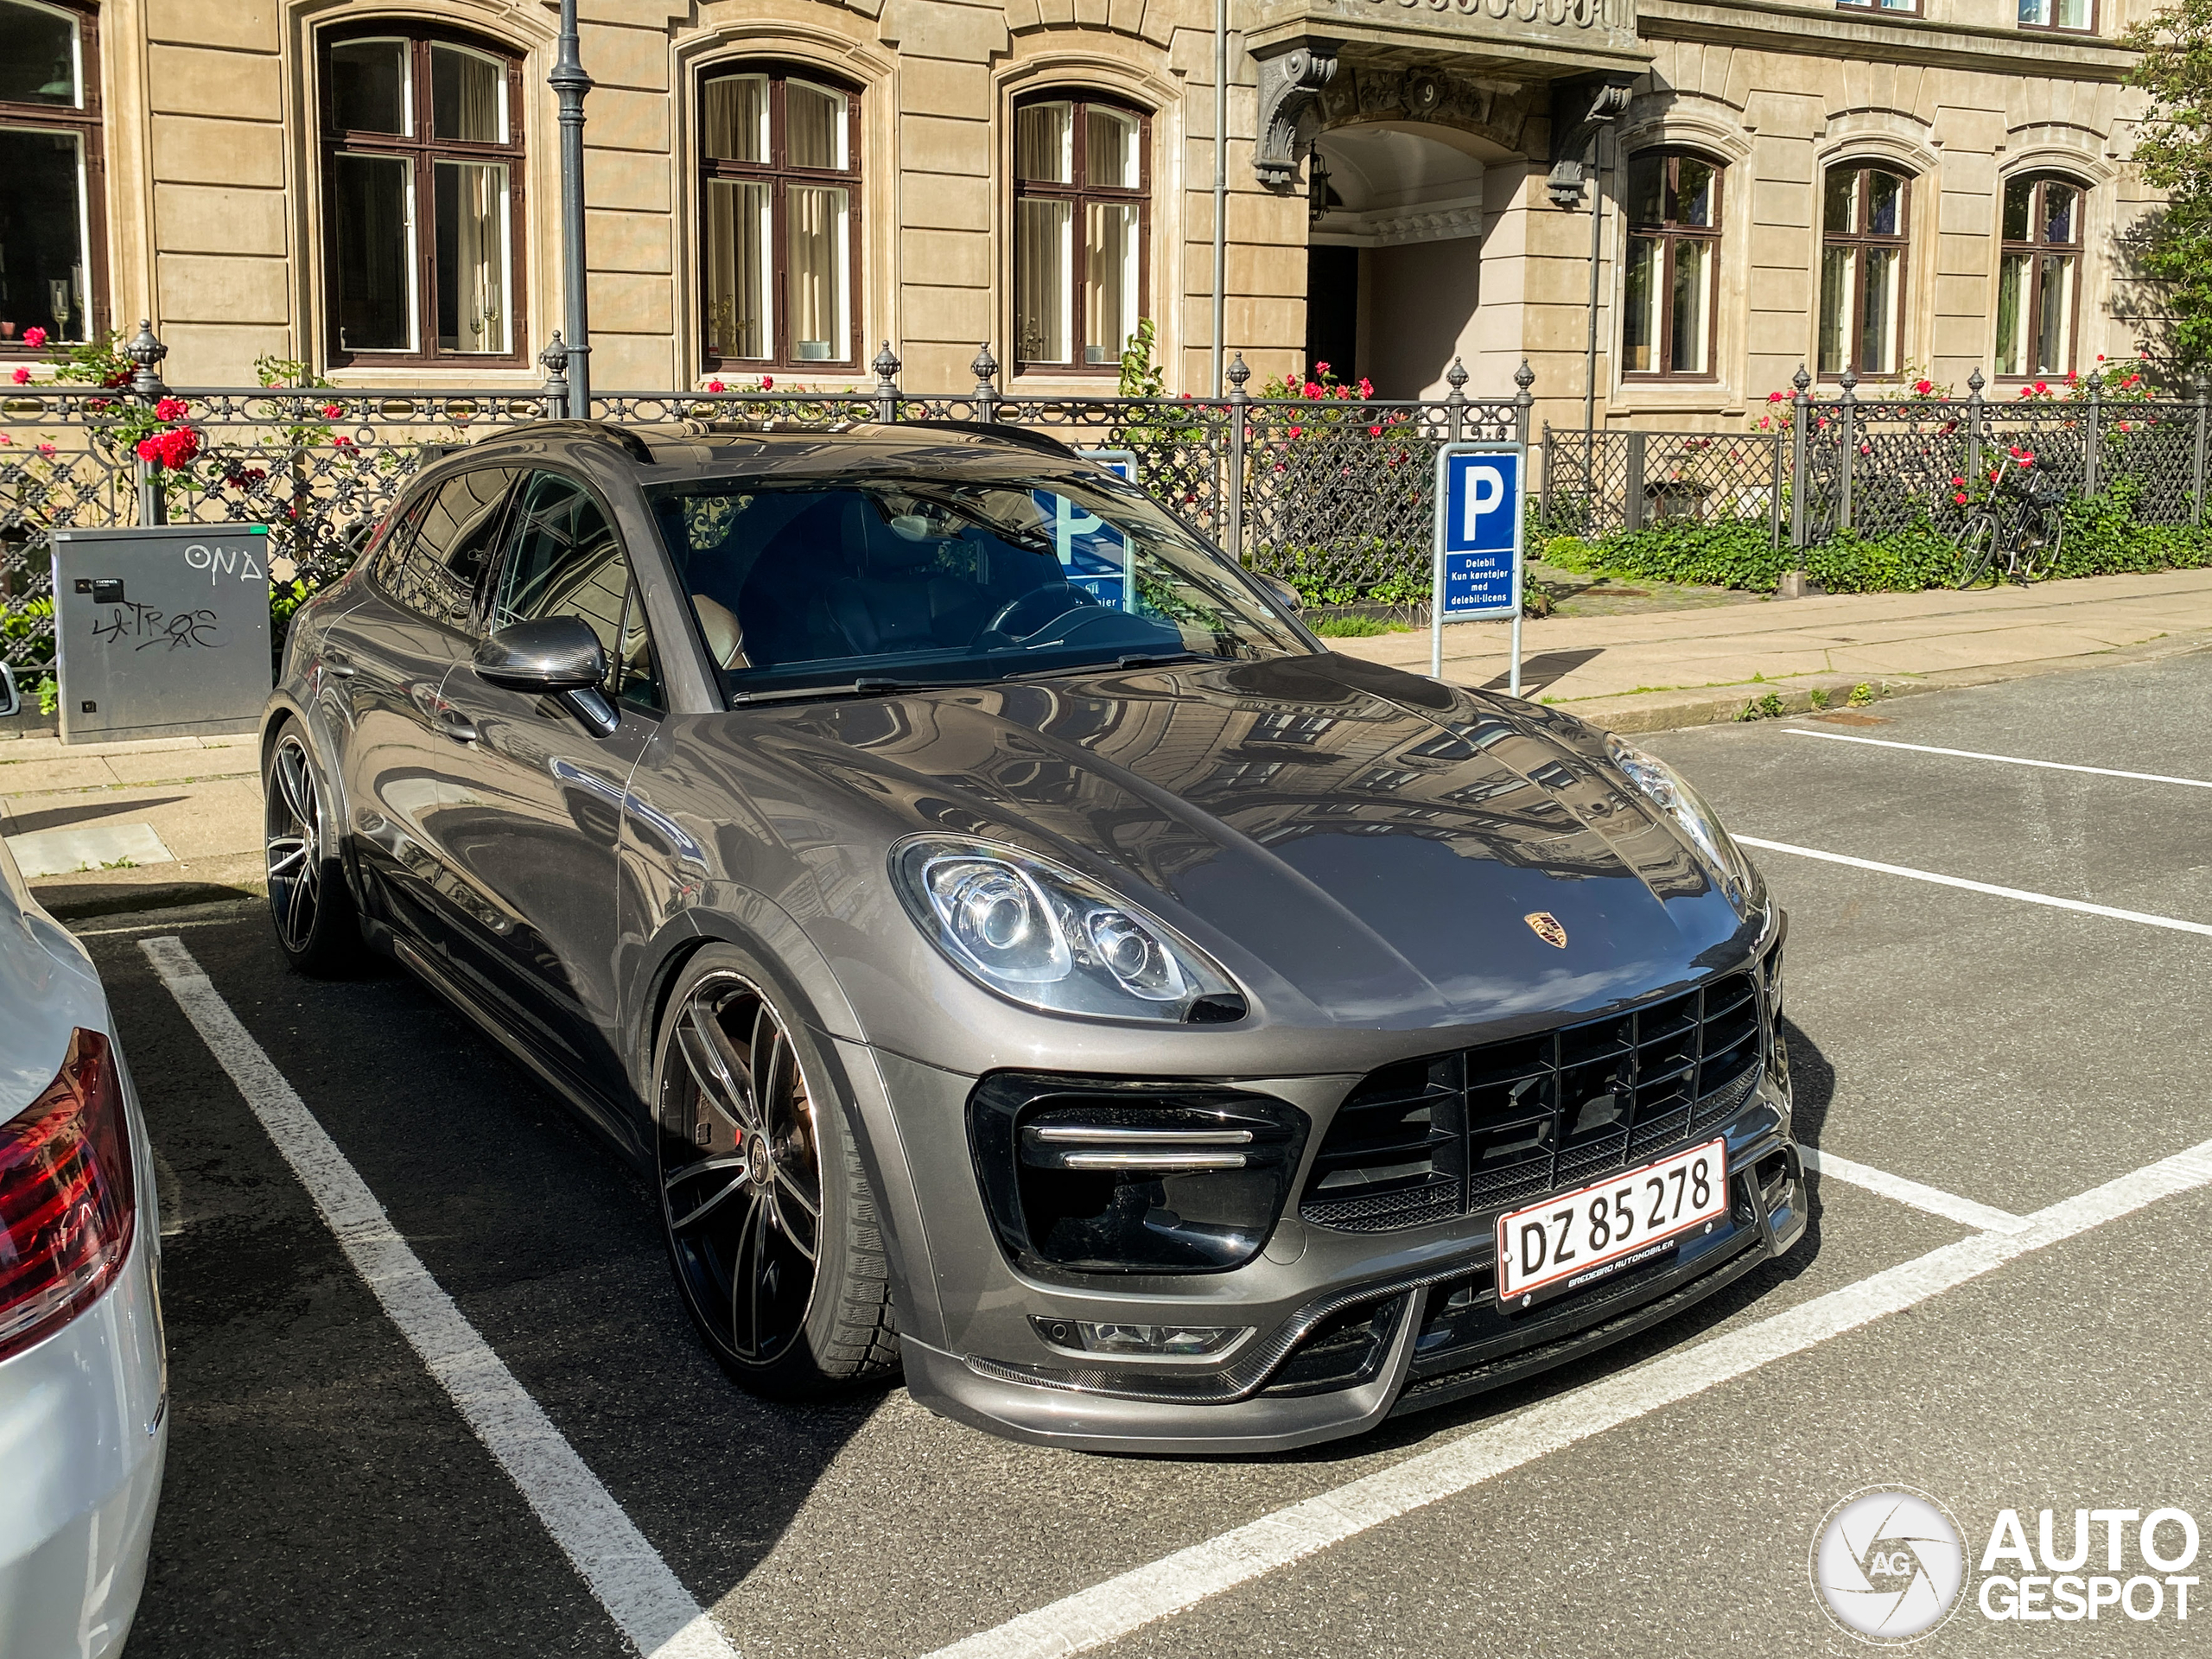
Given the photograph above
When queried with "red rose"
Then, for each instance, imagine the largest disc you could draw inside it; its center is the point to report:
(331, 411)
(767, 382)
(2040, 386)
(1366, 387)
(1373, 431)
(45, 449)
(1321, 368)
(1773, 397)
(1295, 430)
(22, 377)
(716, 386)
(150, 449)
(34, 338)
(1959, 497)
(341, 441)
(171, 408)
(1924, 387)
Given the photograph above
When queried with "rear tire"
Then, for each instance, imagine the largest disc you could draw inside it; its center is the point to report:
(1977, 545)
(2043, 560)
(317, 927)
(769, 1220)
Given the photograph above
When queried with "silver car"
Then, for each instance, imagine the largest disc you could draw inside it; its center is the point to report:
(1016, 949)
(83, 1392)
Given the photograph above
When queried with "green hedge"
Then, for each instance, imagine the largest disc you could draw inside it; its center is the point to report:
(2102, 537)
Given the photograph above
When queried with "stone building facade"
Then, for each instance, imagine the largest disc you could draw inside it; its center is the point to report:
(777, 186)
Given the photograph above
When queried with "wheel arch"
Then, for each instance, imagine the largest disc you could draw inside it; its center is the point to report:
(754, 924)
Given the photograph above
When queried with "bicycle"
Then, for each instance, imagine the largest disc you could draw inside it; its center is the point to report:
(2023, 521)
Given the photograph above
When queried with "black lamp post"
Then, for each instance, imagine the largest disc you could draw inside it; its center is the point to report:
(569, 84)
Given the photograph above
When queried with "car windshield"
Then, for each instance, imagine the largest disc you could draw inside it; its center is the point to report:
(877, 584)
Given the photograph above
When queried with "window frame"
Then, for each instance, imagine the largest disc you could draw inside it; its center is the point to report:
(2035, 248)
(2096, 8)
(497, 570)
(779, 174)
(1860, 241)
(87, 121)
(1876, 9)
(422, 152)
(1081, 193)
(1667, 233)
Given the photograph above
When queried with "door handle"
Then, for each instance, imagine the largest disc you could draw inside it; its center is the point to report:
(457, 726)
(337, 663)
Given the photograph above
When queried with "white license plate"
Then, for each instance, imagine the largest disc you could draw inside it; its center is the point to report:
(1574, 1239)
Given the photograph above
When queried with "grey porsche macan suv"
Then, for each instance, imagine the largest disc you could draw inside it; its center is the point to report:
(1017, 948)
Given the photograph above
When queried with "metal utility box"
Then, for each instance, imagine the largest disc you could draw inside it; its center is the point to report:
(161, 631)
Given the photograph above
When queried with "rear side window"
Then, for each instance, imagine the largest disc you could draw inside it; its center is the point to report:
(435, 572)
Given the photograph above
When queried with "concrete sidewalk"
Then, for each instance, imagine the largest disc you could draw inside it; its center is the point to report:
(1658, 669)
(113, 827)
(100, 828)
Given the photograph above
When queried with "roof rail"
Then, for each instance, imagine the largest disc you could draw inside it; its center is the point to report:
(605, 431)
(1028, 437)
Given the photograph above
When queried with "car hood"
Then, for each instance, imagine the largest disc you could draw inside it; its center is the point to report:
(1359, 846)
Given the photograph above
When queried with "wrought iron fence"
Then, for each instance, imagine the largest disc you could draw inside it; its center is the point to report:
(1877, 466)
(1332, 495)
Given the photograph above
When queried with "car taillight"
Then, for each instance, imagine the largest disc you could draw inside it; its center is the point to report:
(66, 1200)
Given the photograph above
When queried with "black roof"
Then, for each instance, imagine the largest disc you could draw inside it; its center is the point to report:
(670, 449)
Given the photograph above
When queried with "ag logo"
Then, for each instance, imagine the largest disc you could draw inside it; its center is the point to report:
(1887, 1565)
(1547, 927)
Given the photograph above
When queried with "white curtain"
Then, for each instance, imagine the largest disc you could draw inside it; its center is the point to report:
(1044, 289)
(733, 119)
(739, 320)
(818, 260)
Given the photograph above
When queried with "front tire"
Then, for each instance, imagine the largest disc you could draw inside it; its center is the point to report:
(317, 927)
(768, 1217)
(1977, 550)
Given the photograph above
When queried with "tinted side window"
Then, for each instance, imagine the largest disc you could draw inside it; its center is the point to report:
(458, 527)
(565, 559)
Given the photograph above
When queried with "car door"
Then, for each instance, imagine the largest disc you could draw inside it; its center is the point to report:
(535, 833)
(388, 657)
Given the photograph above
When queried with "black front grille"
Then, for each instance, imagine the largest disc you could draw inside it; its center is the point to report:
(1485, 1128)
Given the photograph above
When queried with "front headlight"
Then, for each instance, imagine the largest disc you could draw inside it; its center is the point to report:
(1670, 791)
(1052, 939)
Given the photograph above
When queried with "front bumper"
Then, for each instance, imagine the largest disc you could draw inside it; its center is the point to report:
(1410, 1319)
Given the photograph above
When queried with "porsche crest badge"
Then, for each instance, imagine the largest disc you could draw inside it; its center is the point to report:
(1546, 926)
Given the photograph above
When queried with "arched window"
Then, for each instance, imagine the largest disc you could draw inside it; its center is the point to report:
(1082, 185)
(2039, 282)
(421, 194)
(1673, 260)
(1864, 219)
(52, 257)
(779, 197)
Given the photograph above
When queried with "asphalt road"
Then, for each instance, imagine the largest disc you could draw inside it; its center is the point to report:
(325, 1497)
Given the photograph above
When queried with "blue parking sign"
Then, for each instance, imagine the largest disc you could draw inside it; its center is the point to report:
(1479, 497)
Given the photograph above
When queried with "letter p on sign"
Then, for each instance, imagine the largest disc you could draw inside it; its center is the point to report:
(1485, 494)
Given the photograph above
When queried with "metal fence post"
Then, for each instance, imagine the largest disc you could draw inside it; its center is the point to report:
(2093, 436)
(1455, 401)
(1976, 414)
(554, 359)
(2202, 391)
(1800, 473)
(1633, 490)
(886, 366)
(1847, 437)
(1238, 374)
(1523, 378)
(1544, 493)
(146, 386)
(986, 393)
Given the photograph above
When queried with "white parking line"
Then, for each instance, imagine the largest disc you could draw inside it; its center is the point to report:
(1981, 1218)
(653, 1609)
(2008, 759)
(2020, 893)
(1108, 1612)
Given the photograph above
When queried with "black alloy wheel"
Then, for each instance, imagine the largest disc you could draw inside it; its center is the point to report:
(316, 926)
(769, 1222)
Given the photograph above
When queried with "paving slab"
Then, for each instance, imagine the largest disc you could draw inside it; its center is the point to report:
(89, 846)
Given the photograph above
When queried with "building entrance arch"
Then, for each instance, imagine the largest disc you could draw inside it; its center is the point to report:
(1394, 256)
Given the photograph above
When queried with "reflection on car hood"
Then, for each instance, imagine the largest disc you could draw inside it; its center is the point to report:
(1369, 844)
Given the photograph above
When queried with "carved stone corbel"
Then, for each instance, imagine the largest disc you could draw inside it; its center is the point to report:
(1290, 99)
